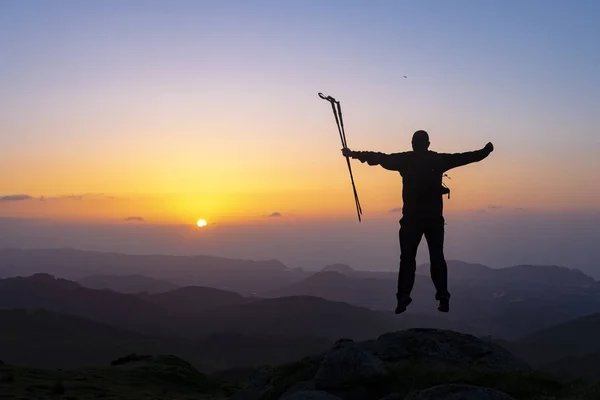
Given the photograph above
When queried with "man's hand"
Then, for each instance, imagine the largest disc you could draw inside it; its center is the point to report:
(346, 152)
(489, 147)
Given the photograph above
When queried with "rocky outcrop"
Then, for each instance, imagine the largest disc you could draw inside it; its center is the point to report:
(301, 386)
(259, 386)
(458, 392)
(388, 365)
(437, 347)
(311, 395)
(346, 365)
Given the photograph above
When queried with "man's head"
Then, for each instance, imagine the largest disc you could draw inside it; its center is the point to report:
(420, 141)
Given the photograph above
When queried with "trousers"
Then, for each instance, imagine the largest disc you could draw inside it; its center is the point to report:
(411, 232)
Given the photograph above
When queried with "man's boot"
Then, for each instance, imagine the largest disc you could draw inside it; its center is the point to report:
(403, 302)
(444, 302)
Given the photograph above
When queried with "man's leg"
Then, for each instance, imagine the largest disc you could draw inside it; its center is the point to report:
(410, 235)
(434, 234)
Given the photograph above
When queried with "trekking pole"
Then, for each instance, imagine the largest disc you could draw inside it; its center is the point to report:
(337, 113)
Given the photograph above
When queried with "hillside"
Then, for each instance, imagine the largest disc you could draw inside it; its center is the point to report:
(194, 299)
(508, 303)
(299, 315)
(63, 296)
(584, 367)
(164, 377)
(129, 284)
(575, 338)
(242, 276)
(46, 339)
(184, 312)
(336, 286)
(313, 316)
(526, 275)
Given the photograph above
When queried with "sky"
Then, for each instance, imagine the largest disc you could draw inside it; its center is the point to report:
(164, 112)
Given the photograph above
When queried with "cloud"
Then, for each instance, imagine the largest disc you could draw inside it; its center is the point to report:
(494, 207)
(16, 197)
(396, 210)
(275, 214)
(80, 197)
(139, 219)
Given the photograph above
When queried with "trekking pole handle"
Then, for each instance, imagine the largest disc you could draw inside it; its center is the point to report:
(328, 98)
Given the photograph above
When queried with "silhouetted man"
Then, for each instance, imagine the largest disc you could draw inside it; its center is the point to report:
(422, 171)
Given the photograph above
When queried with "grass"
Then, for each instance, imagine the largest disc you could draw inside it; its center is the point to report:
(172, 378)
(157, 378)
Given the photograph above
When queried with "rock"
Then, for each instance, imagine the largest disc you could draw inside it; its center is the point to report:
(346, 365)
(301, 386)
(311, 395)
(442, 347)
(458, 392)
(259, 386)
(393, 396)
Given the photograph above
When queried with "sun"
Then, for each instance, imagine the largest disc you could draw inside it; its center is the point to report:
(201, 223)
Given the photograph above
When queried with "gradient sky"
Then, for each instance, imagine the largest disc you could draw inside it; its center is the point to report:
(176, 110)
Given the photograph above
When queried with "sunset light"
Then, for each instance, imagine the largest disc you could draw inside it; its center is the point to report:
(460, 177)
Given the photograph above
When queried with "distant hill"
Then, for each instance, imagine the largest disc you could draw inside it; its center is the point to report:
(584, 367)
(242, 276)
(164, 314)
(299, 315)
(524, 275)
(224, 351)
(130, 284)
(341, 268)
(335, 286)
(545, 274)
(460, 271)
(314, 316)
(575, 338)
(63, 296)
(46, 339)
(509, 306)
(195, 299)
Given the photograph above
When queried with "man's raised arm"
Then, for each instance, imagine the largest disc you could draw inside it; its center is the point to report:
(391, 162)
(460, 159)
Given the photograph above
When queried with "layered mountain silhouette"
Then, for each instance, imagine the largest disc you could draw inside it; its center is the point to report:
(225, 330)
(525, 275)
(509, 303)
(195, 299)
(47, 339)
(198, 311)
(574, 338)
(547, 315)
(573, 367)
(64, 296)
(242, 276)
(130, 284)
(336, 286)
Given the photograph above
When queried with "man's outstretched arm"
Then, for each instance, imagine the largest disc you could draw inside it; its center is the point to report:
(460, 159)
(391, 162)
